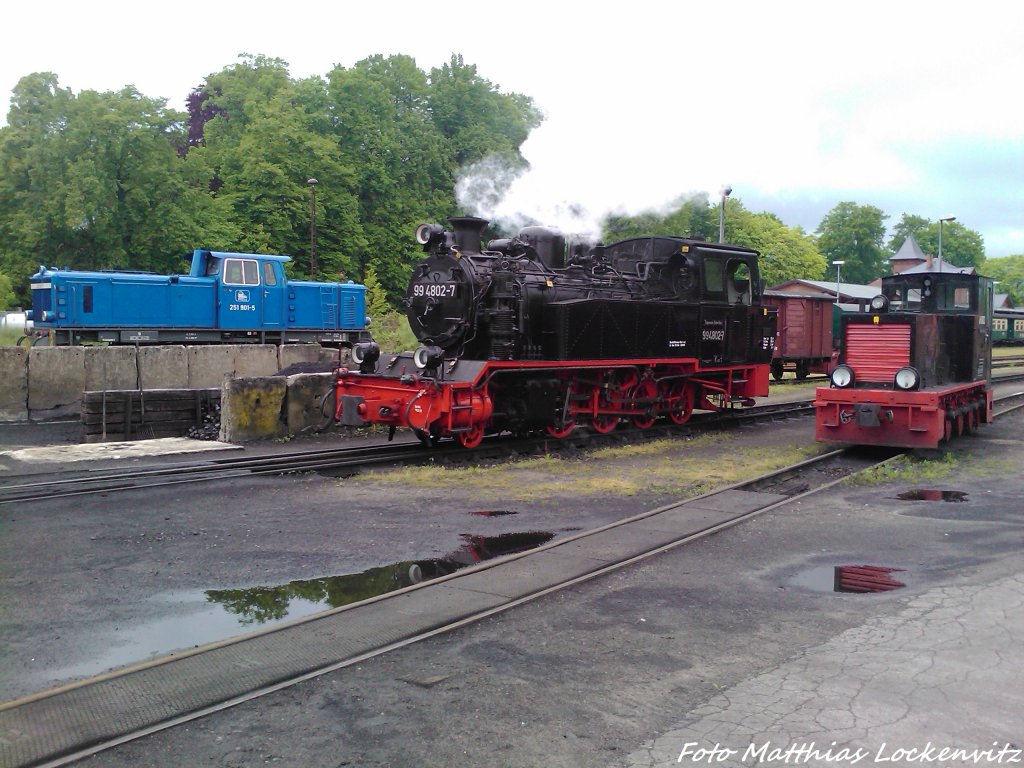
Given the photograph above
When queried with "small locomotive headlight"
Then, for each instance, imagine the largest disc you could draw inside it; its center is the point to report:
(428, 233)
(428, 357)
(365, 353)
(879, 303)
(842, 376)
(907, 379)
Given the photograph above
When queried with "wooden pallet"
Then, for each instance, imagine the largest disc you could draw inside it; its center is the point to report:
(140, 414)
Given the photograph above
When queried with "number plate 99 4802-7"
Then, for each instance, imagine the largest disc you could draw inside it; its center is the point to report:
(436, 290)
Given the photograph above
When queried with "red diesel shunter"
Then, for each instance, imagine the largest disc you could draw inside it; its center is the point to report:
(915, 368)
(534, 333)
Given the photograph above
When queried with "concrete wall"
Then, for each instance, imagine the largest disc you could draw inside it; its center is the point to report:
(13, 384)
(261, 408)
(47, 382)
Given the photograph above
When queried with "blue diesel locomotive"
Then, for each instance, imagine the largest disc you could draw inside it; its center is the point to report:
(225, 297)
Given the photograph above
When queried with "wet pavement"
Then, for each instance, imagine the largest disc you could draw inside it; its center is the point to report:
(718, 647)
(732, 652)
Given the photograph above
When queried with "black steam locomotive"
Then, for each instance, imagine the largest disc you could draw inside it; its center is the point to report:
(535, 332)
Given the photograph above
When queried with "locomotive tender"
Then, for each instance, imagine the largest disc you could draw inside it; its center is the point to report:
(915, 368)
(536, 333)
(225, 297)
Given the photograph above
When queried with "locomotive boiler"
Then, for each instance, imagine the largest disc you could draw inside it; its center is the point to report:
(915, 367)
(537, 332)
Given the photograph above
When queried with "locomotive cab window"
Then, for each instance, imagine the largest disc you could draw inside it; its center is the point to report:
(241, 272)
(714, 282)
(903, 298)
(739, 283)
(269, 276)
(955, 297)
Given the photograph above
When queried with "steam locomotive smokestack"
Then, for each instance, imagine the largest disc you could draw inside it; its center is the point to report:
(468, 232)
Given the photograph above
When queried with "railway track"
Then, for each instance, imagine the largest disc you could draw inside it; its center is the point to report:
(350, 460)
(128, 704)
(354, 459)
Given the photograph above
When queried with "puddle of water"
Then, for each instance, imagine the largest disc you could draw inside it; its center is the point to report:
(258, 605)
(848, 578)
(192, 619)
(919, 494)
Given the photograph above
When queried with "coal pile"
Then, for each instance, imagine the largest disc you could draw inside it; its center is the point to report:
(210, 428)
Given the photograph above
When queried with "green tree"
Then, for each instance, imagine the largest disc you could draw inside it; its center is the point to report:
(1008, 270)
(787, 253)
(475, 116)
(8, 300)
(91, 181)
(853, 234)
(689, 216)
(257, 151)
(961, 246)
(908, 225)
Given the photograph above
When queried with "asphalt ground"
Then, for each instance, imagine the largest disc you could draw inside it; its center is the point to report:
(735, 642)
(733, 645)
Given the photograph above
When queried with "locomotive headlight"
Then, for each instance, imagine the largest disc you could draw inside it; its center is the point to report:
(842, 376)
(907, 378)
(427, 357)
(427, 233)
(365, 353)
(879, 303)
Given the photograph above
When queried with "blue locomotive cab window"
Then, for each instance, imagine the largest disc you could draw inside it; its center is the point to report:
(269, 278)
(241, 272)
(87, 298)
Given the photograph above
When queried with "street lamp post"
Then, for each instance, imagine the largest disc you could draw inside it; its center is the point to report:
(312, 227)
(942, 219)
(726, 191)
(838, 265)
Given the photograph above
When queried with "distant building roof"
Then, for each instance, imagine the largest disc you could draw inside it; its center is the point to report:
(934, 265)
(910, 250)
(1002, 300)
(826, 288)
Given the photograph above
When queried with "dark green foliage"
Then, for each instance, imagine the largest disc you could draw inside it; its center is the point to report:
(1009, 271)
(118, 181)
(961, 246)
(853, 234)
(786, 252)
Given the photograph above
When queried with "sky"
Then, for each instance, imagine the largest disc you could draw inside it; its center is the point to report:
(910, 106)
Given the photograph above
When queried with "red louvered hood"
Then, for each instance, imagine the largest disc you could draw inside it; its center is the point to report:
(876, 352)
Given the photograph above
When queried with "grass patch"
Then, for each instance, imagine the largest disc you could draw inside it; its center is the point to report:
(907, 469)
(682, 468)
(9, 336)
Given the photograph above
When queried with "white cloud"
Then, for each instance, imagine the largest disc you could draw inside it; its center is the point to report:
(786, 101)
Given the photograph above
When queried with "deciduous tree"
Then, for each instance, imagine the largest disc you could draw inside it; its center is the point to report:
(853, 234)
